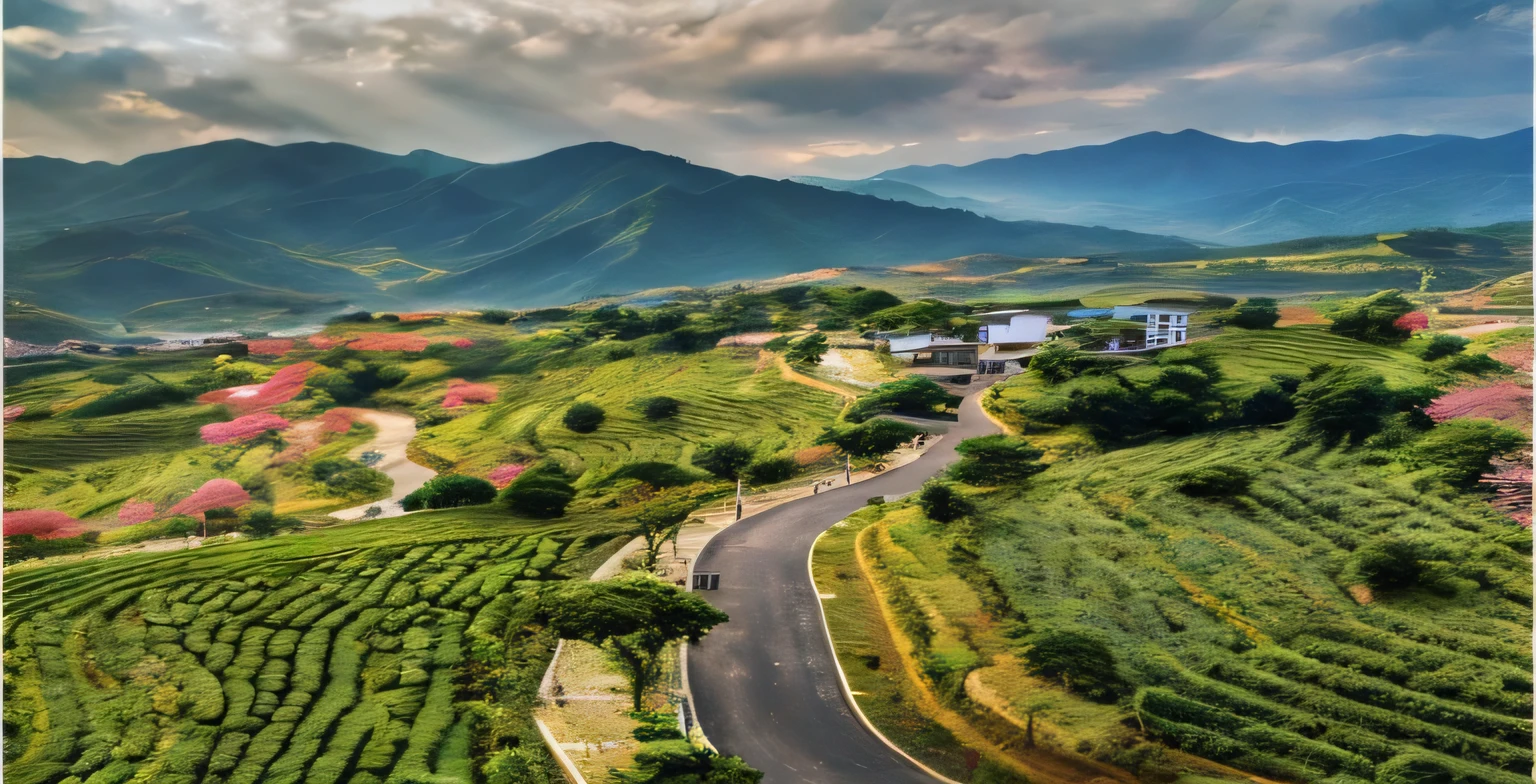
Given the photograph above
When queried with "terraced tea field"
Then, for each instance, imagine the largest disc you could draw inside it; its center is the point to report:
(340, 656)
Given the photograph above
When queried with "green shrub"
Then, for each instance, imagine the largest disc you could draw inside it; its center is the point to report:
(1335, 402)
(1476, 364)
(725, 460)
(1268, 405)
(656, 474)
(1443, 346)
(941, 503)
(658, 407)
(808, 350)
(870, 439)
(1083, 663)
(1390, 563)
(1256, 313)
(996, 459)
(1460, 449)
(542, 491)
(913, 394)
(583, 417)
(771, 470)
(1224, 481)
(1373, 319)
(496, 316)
(449, 491)
(136, 397)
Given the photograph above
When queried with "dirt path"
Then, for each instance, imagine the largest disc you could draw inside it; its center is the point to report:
(395, 433)
(1479, 329)
(789, 374)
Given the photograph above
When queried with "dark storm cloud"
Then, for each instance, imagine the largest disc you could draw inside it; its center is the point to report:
(236, 102)
(41, 14)
(847, 89)
(74, 77)
(840, 87)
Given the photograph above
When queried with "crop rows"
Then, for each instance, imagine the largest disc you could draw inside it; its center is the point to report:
(338, 669)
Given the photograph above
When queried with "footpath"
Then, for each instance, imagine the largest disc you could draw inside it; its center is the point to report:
(585, 717)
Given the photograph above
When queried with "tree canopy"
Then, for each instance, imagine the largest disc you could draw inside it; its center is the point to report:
(1256, 313)
(1374, 318)
(870, 439)
(634, 616)
(808, 350)
(914, 394)
(541, 491)
(996, 459)
(584, 417)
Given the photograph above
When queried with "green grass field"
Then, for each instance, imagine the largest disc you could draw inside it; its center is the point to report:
(1237, 621)
(357, 654)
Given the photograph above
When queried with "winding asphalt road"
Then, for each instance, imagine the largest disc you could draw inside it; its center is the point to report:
(765, 684)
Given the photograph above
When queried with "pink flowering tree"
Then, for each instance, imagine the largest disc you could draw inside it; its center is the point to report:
(133, 511)
(271, 347)
(461, 392)
(1505, 402)
(1412, 321)
(41, 523)
(214, 494)
(246, 427)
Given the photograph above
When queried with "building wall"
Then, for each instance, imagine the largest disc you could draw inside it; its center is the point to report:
(1024, 328)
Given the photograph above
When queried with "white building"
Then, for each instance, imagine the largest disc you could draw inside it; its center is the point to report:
(1004, 342)
(1165, 326)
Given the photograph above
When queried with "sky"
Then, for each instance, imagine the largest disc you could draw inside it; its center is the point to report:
(842, 88)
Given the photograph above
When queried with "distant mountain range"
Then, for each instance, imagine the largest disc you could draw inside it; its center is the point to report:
(311, 225)
(1193, 184)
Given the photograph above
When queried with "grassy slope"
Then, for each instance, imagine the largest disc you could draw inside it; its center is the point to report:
(341, 653)
(1236, 603)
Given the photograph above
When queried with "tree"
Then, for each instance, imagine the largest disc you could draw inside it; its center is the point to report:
(264, 522)
(771, 469)
(1443, 346)
(1342, 401)
(941, 503)
(635, 616)
(659, 407)
(449, 491)
(1268, 405)
(1059, 362)
(1374, 318)
(808, 350)
(871, 439)
(1212, 481)
(542, 491)
(725, 460)
(915, 394)
(584, 417)
(660, 519)
(1390, 563)
(1083, 663)
(1257, 313)
(994, 460)
(1460, 449)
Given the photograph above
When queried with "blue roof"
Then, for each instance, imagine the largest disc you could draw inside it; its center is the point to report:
(1090, 312)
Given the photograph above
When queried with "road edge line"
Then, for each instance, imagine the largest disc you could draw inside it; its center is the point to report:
(842, 679)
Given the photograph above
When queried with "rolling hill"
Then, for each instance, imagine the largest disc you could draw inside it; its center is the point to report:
(238, 221)
(1193, 184)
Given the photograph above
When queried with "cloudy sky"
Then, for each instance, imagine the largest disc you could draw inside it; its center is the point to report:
(772, 87)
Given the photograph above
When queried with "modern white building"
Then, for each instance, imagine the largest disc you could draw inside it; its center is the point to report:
(1165, 326)
(1004, 342)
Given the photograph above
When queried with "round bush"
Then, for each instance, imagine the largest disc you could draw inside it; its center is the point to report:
(542, 491)
(584, 417)
(770, 470)
(448, 491)
(659, 407)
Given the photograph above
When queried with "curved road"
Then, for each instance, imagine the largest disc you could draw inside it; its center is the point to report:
(765, 684)
(394, 436)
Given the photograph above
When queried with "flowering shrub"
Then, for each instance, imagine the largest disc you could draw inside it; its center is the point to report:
(282, 387)
(134, 511)
(13, 413)
(1506, 402)
(338, 420)
(273, 347)
(214, 494)
(1517, 356)
(1412, 321)
(248, 426)
(324, 342)
(502, 475)
(42, 523)
(462, 342)
(383, 341)
(461, 392)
